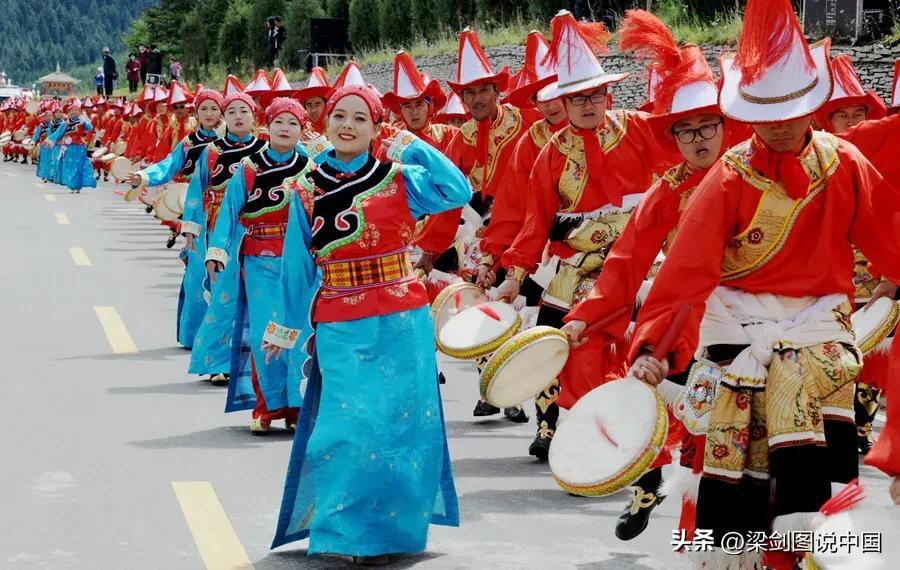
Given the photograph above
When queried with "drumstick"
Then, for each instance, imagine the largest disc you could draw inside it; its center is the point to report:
(668, 339)
(607, 320)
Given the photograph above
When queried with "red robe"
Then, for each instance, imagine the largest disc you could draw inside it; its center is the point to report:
(885, 455)
(792, 249)
(506, 129)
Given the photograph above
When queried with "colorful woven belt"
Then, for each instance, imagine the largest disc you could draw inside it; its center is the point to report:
(213, 205)
(276, 230)
(367, 272)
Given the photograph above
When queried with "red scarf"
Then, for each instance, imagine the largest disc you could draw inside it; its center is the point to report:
(481, 140)
(692, 180)
(784, 167)
(595, 162)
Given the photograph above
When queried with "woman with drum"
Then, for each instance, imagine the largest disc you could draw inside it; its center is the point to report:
(370, 468)
(687, 116)
(180, 165)
(75, 170)
(249, 233)
(763, 255)
(211, 353)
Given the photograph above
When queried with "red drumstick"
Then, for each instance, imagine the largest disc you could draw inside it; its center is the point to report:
(607, 320)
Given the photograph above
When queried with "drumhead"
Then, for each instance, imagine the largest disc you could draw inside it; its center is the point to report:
(866, 518)
(32, 107)
(523, 366)
(19, 135)
(99, 152)
(118, 147)
(875, 324)
(479, 330)
(121, 168)
(445, 303)
(161, 207)
(610, 437)
(108, 157)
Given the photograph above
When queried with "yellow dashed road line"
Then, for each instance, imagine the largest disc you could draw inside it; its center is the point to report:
(116, 333)
(62, 219)
(213, 534)
(80, 257)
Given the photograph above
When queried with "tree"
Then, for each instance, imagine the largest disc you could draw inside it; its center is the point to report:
(194, 44)
(256, 32)
(233, 33)
(341, 8)
(394, 25)
(297, 16)
(364, 33)
(424, 18)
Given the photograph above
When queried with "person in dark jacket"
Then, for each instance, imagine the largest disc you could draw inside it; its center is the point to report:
(156, 61)
(144, 59)
(280, 37)
(271, 42)
(109, 72)
(133, 72)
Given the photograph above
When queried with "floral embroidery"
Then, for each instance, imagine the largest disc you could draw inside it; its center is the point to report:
(720, 451)
(354, 299)
(742, 401)
(755, 236)
(401, 290)
(599, 237)
(370, 237)
(407, 232)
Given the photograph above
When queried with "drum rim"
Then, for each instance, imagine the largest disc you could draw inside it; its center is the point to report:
(509, 348)
(482, 349)
(883, 330)
(631, 472)
(130, 194)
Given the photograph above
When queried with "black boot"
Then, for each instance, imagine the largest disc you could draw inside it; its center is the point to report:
(637, 515)
(441, 378)
(172, 237)
(148, 209)
(546, 416)
(482, 409)
(515, 415)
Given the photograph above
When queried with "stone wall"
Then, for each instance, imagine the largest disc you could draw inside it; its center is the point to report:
(874, 63)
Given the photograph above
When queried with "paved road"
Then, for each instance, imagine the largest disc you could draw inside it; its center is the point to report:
(116, 458)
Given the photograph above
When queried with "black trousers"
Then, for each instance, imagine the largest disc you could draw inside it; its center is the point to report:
(108, 85)
(132, 85)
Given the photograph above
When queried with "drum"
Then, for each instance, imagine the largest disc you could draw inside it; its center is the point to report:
(523, 366)
(611, 436)
(108, 157)
(148, 195)
(166, 205)
(118, 147)
(121, 168)
(868, 518)
(132, 193)
(101, 150)
(478, 331)
(875, 324)
(32, 107)
(453, 299)
(19, 135)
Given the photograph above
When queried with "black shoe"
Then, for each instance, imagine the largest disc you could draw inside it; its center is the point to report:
(646, 496)
(171, 242)
(148, 209)
(864, 445)
(515, 415)
(482, 409)
(540, 447)
(219, 379)
(441, 378)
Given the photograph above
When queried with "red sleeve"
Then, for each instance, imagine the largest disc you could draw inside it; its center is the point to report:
(660, 155)
(542, 200)
(692, 268)
(869, 136)
(876, 225)
(885, 455)
(509, 210)
(162, 147)
(629, 260)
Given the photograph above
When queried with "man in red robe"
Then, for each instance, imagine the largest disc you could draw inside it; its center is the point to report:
(764, 250)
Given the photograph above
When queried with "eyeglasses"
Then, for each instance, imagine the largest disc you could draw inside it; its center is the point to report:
(706, 132)
(580, 100)
(177, 107)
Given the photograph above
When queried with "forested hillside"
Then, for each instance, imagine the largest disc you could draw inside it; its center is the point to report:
(36, 34)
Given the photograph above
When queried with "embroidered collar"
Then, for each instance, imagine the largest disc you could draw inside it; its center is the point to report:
(206, 133)
(339, 165)
(279, 158)
(247, 139)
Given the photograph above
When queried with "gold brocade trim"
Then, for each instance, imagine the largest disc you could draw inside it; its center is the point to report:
(634, 470)
(776, 212)
(574, 175)
(540, 133)
(446, 293)
(514, 272)
(884, 330)
(599, 234)
(503, 130)
(864, 282)
(481, 349)
(505, 352)
(781, 98)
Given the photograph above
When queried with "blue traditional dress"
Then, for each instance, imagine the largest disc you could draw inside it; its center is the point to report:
(370, 468)
(49, 158)
(181, 164)
(40, 135)
(211, 353)
(75, 170)
(250, 231)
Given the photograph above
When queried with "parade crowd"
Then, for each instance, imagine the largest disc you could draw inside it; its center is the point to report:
(706, 283)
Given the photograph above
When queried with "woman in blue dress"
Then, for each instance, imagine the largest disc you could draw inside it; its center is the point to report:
(369, 470)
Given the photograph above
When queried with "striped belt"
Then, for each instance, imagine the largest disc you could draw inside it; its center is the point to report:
(271, 230)
(367, 272)
(213, 205)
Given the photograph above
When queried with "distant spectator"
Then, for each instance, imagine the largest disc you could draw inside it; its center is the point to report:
(144, 59)
(98, 80)
(174, 69)
(271, 42)
(109, 72)
(133, 72)
(280, 37)
(155, 64)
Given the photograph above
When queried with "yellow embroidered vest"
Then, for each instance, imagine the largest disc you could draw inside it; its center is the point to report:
(504, 129)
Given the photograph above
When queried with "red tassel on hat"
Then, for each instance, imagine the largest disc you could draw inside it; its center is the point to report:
(770, 28)
(594, 34)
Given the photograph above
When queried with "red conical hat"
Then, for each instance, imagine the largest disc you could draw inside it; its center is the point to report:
(775, 76)
(316, 86)
(534, 75)
(146, 96)
(848, 92)
(453, 109)
(232, 85)
(350, 75)
(410, 84)
(179, 94)
(280, 88)
(260, 84)
(473, 67)
(161, 95)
